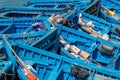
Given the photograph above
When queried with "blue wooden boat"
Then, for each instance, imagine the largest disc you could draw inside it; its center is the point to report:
(28, 38)
(51, 66)
(96, 48)
(19, 33)
(110, 5)
(47, 5)
(21, 24)
(80, 5)
(22, 12)
(21, 30)
(15, 27)
(60, 4)
(57, 68)
(28, 21)
(100, 28)
(43, 11)
(36, 6)
(40, 39)
(111, 30)
(40, 5)
(46, 1)
(60, 1)
(31, 11)
(109, 17)
(18, 14)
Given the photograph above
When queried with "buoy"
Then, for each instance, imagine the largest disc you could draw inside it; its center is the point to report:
(107, 50)
(117, 30)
